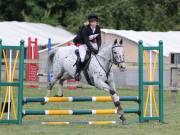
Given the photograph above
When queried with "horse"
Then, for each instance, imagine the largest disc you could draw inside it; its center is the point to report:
(61, 63)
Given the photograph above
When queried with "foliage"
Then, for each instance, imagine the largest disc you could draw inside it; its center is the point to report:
(154, 15)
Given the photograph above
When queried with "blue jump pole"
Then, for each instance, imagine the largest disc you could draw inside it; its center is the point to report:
(49, 50)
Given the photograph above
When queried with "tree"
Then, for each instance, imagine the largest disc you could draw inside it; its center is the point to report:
(154, 15)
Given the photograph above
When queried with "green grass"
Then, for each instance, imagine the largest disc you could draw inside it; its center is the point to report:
(31, 124)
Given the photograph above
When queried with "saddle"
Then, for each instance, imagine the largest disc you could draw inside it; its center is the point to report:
(85, 66)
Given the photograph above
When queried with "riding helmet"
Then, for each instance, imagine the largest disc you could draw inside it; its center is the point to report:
(92, 17)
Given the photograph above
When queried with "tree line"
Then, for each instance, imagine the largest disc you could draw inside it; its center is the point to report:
(140, 15)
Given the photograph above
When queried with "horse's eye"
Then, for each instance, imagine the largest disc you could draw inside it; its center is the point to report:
(114, 52)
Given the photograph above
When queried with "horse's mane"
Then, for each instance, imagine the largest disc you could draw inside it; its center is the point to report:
(104, 49)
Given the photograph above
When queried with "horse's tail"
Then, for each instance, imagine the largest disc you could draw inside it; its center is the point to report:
(50, 60)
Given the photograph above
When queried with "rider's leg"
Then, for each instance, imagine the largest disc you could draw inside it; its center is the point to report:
(82, 52)
(78, 68)
(80, 60)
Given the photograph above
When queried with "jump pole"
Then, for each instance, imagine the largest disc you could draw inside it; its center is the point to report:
(80, 122)
(76, 112)
(79, 99)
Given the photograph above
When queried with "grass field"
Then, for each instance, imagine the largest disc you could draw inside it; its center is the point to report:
(31, 124)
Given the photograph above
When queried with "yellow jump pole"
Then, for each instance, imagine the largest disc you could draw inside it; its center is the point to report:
(7, 75)
(11, 89)
(148, 94)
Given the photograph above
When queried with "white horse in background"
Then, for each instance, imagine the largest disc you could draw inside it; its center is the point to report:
(61, 64)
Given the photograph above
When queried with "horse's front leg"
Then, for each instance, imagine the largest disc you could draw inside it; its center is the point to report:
(111, 81)
(115, 98)
(117, 104)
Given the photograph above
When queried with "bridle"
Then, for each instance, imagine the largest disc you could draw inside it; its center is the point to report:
(113, 61)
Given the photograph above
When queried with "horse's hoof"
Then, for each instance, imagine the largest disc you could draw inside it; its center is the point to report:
(124, 122)
(42, 103)
(58, 95)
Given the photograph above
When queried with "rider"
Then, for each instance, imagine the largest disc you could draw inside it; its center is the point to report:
(89, 40)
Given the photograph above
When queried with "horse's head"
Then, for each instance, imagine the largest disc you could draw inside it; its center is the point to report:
(118, 54)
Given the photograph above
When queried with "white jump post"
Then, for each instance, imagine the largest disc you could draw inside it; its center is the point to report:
(150, 79)
(9, 79)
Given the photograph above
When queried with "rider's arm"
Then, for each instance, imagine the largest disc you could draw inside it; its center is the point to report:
(87, 42)
(99, 37)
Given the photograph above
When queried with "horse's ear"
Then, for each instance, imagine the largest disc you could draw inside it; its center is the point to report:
(121, 42)
(115, 41)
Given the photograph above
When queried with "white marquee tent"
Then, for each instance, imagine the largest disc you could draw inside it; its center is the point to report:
(171, 39)
(12, 32)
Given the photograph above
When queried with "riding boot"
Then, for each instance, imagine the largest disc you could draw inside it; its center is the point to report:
(77, 75)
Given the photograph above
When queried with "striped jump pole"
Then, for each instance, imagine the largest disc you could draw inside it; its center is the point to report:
(79, 99)
(80, 122)
(76, 112)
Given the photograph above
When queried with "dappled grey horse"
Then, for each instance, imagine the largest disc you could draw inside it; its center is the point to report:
(61, 64)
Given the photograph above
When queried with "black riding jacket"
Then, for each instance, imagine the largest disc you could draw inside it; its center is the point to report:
(86, 32)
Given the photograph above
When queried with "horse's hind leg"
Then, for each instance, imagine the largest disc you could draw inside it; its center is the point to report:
(51, 84)
(60, 88)
(64, 77)
(49, 89)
